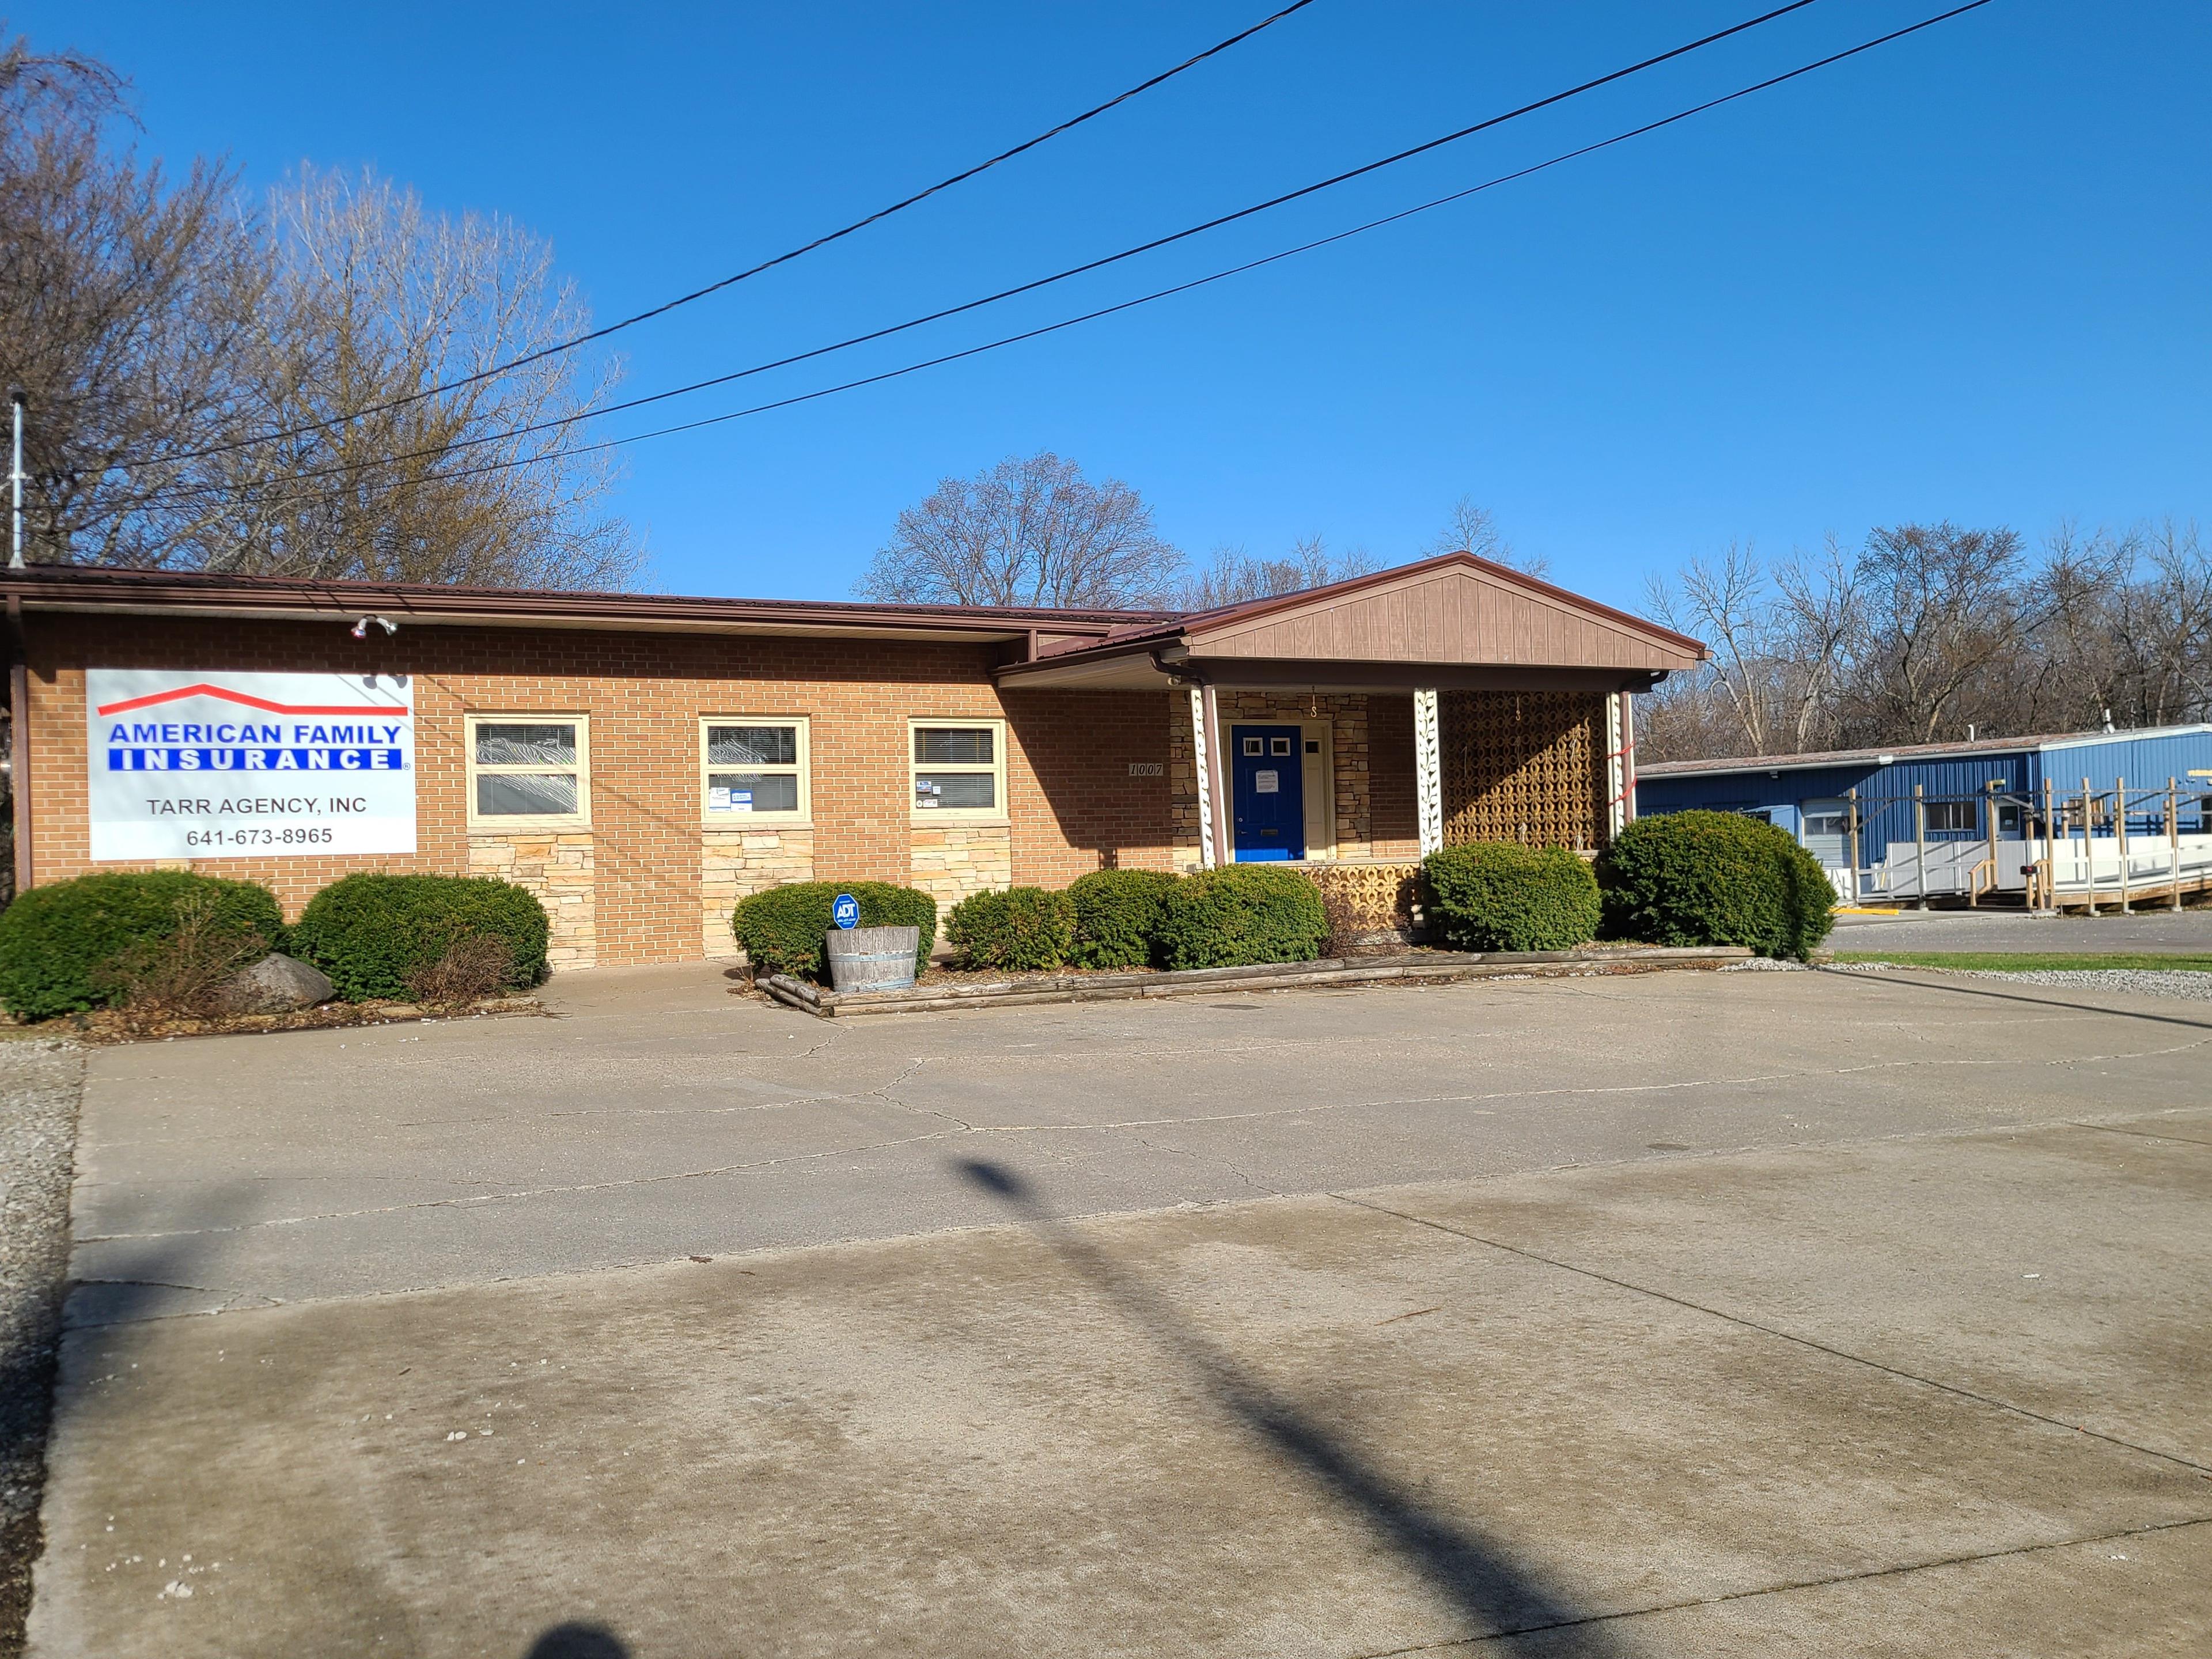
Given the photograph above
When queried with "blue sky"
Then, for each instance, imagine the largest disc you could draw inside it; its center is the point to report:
(1965, 275)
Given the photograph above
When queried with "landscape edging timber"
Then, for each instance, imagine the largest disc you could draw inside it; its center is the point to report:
(1429, 968)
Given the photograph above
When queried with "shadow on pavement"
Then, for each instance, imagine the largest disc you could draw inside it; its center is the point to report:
(1903, 975)
(577, 1641)
(1499, 1597)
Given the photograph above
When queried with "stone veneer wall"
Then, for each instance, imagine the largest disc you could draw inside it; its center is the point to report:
(733, 863)
(956, 860)
(558, 866)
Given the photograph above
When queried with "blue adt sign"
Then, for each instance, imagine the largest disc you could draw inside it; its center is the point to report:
(845, 910)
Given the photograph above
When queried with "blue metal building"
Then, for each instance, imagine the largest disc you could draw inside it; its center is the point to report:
(1812, 795)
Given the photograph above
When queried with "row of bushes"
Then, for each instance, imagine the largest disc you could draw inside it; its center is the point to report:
(1223, 917)
(1682, 879)
(1108, 919)
(72, 947)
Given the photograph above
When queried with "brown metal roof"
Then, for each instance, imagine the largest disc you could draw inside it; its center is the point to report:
(77, 587)
(1455, 608)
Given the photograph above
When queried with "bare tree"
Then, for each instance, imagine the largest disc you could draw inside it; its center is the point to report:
(1029, 532)
(1729, 605)
(124, 297)
(1233, 576)
(1943, 605)
(376, 300)
(1469, 528)
(1932, 632)
(1821, 618)
(162, 327)
(2123, 628)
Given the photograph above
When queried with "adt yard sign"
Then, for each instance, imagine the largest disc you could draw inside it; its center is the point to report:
(845, 910)
(201, 765)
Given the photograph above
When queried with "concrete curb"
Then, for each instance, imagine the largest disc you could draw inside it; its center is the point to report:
(1428, 968)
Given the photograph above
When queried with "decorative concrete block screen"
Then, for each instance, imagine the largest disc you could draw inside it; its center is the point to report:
(1369, 904)
(1523, 766)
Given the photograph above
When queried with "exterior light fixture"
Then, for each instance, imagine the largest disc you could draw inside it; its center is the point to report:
(360, 628)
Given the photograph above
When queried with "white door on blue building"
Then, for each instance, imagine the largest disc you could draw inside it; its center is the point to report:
(1827, 832)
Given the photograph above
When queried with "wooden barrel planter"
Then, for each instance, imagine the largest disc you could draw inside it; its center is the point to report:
(872, 958)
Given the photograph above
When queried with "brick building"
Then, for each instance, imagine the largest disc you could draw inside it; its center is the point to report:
(641, 762)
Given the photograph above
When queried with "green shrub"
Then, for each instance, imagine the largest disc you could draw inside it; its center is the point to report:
(379, 936)
(1016, 929)
(1496, 895)
(1117, 916)
(1239, 914)
(60, 944)
(1715, 878)
(782, 927)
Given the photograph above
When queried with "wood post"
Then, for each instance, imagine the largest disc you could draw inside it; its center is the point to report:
(2088, 846)
(1920, 847)
(1989, 833)
(1428, 770)
(2120, 837)
(1851, 839)
(2173, 835)
(2050, 847)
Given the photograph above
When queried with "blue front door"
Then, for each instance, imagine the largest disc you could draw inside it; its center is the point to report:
(1269, 792)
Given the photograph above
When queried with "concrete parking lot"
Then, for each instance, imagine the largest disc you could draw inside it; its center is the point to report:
(1689, 1313)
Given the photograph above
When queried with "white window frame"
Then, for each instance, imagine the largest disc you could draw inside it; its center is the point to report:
(498, 824)
(803, 769)
(996, 813)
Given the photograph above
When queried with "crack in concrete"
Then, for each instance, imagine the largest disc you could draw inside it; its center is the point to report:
(2146, 1135)
(1249, 1179)
(1899, 1569)
(1748, 1323)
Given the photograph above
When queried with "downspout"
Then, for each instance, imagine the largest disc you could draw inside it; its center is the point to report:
(1628, 751)
(19, 738)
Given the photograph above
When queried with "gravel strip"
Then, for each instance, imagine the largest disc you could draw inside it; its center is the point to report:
(2186, 984)
(40, 1080)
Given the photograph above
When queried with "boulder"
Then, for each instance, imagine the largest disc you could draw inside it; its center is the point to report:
(275, 985)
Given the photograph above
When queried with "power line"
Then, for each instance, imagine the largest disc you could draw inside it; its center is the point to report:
(1031, 286)
(1200, 282)
(730, 281)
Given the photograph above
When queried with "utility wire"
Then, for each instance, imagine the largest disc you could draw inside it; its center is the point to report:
(1200, 281)
(1031, 286)
(730, 281)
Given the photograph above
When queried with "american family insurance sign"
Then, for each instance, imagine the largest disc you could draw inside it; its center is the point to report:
(214, 765)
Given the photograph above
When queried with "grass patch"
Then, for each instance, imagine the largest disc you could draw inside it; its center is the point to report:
(2025, 962)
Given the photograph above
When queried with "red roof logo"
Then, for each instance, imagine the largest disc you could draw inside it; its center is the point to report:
(226, 695)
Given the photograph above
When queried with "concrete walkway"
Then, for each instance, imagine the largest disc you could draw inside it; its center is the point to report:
(2151, 931)
(1754, 1314)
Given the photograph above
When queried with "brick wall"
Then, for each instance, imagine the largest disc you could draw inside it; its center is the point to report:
(1395, 809)
(647, 882)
